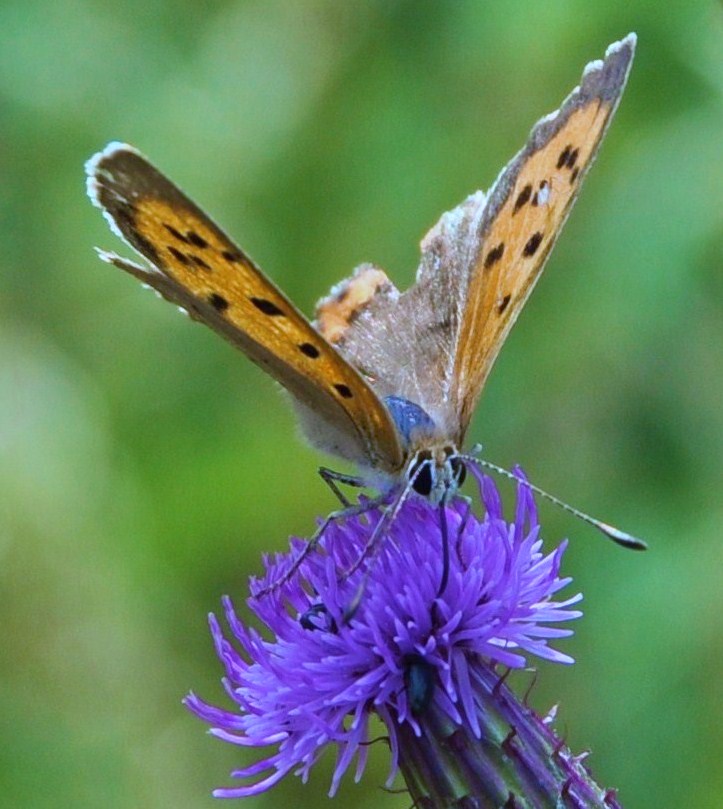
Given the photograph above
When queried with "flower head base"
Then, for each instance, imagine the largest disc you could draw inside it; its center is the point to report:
(406, 650)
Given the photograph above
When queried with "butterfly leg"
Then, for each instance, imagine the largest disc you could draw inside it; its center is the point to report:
(371, 550)
(444, 533)
(351, 510)
(373, 545)
(331, 478)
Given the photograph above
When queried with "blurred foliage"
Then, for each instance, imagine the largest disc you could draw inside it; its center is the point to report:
(145, 466)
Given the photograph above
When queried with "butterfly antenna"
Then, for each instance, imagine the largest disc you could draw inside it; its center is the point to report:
(609, 531)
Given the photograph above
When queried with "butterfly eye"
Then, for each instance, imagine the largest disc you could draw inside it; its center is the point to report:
(422, 477)
(459, 470)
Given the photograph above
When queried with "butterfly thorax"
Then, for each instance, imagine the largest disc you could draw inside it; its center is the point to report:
(433, 466)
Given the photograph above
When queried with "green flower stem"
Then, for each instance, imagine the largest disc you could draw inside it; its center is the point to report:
(517, 763)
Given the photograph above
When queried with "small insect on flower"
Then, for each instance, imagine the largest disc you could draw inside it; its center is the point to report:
(408, 653)
(419, 682)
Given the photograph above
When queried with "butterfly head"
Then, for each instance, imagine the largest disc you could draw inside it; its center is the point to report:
(434, 468)
(436, 473)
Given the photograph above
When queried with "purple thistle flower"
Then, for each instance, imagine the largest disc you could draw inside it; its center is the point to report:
(422, 662)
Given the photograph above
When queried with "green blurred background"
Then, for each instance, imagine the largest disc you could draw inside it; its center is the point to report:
(145, 465)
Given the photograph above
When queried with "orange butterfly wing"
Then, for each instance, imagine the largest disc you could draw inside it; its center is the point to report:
(197, 267)
(523, 216)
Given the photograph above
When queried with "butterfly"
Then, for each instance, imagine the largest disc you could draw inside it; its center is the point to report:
(386, 379)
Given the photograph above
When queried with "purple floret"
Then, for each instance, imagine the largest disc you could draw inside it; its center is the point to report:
(318, 679)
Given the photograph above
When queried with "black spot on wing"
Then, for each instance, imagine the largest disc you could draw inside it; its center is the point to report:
(178, 255)
(574, 174)
(494, 255)
(219, 303)
(266, 306)
(309, 349)
(522, 198)
(344, 391)
(196, 240)
(572, 159)
(175, 233)
(532, 244)
(355, 314)
(564, 156)
(503, 304)
(439, 326)
(125, 217)
(199, 262)
(234, 256)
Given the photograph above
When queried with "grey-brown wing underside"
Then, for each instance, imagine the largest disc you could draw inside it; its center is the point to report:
(436, 343)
